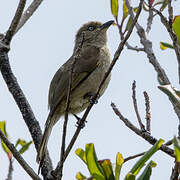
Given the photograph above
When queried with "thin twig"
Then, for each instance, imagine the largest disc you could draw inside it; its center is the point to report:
(28, 13)
(172, 35)
(144, 135)
(75, 57)
(116, 56)
(11, 31)
(170, 11)
(136, 107)
(19, 158)
(168, 143)
(175, 171)
(148, 115)
(134, 156)
(10, 170)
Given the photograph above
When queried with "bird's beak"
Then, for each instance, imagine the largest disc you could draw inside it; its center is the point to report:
(106, 25)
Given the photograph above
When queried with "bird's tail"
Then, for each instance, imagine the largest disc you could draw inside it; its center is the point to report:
(44, 141)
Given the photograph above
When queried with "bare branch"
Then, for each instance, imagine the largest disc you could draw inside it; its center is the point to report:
(144, 135)
(28, 13)
(11, 31)
(75, 57)
(136, 107)
(148, 115)
(172, 35)
(149, 20)
(10, 170)
(175, 171)
(133, 157)
(19, 158)
(24, 107)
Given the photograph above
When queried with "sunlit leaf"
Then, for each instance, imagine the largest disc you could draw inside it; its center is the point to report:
(140, 163)
(20, 142)
(92, 163)
(114, 7)
(177, 148)
(81, 153)
(25, 147)
(164, 45)
(107, 169)
(130, 176)
(5, 148)
(164, 4)
(147, 171)
(80, 176)
(125, 9)
(119, 163)
(176, 27)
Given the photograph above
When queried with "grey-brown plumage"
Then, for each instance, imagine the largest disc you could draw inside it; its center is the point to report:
(88, 71)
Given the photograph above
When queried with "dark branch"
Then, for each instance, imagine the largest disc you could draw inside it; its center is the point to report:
(175, 171)
(19, 158)
(133, 157)
(24, 107)
(144, 135)
(11, 31)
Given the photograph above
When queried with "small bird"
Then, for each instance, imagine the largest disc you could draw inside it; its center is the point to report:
(91, 59)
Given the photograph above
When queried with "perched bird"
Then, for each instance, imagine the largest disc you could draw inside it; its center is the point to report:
(91, 59)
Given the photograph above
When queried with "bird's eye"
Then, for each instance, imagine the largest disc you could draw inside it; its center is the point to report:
(91, 28)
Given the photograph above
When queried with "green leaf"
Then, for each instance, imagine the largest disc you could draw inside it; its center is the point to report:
(80, 176)
(164, 45)
(119, 163)
(25, 147)
(147, 171)
(164, 4)
(176, 27)
(129, 23)
(5, 148)
(140, 163)
(130, 176)
(107, 169)
(114, 7)
(92, 163)
(20, 142)
(177, 148)
(81, 153)
(125, 9)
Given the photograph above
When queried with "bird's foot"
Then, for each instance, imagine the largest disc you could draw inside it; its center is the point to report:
(79, 123)
(93, 99)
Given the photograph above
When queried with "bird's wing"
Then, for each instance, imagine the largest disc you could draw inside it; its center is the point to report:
(83, 67)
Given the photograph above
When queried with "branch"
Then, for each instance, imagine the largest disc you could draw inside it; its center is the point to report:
(75, 57)
(24, 107)
(144, 135)
(83, 119)
(161, 75)
(11, 31)
(28, 13)
(136, 107)
(19, 158)
(133, 157)
(175, 171)
(148, 115)
(173, 36)
(10, 170)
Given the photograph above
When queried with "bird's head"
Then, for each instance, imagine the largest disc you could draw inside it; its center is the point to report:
(93, 33)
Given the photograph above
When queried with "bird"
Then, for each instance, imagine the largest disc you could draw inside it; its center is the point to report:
(90, 60)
